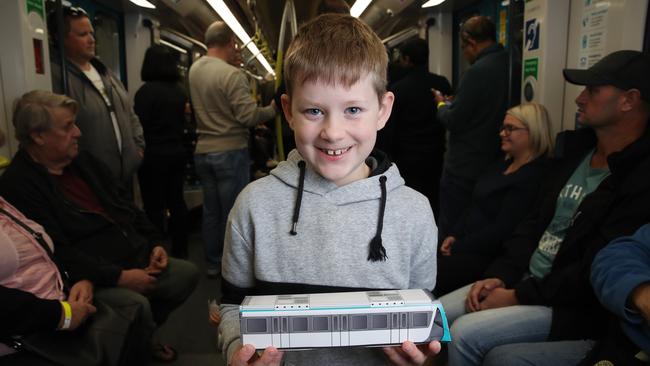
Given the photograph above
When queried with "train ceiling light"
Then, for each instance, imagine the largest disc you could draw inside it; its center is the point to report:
(227, 16)
(431, 3)
(143, 3)
(359, 6)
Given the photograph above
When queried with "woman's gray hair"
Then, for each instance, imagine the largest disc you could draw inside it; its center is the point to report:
(32, 113)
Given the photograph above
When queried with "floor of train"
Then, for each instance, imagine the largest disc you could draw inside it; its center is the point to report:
(187, 329)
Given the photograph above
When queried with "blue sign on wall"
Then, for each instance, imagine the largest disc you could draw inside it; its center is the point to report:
(532, 35)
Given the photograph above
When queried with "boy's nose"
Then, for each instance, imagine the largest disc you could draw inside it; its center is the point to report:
(332, 130)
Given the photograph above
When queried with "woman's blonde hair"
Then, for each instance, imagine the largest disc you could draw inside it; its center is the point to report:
(535, 117)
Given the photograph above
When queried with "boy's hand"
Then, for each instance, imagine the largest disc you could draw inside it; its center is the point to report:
(410, 354)
(246, 355)
(499, 298)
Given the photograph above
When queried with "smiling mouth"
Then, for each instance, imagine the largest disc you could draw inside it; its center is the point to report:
(335, 152)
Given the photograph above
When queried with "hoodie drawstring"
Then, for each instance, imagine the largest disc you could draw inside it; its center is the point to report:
(377, 250)
(296, 209)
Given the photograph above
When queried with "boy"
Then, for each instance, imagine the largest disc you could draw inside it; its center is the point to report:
(333, 217)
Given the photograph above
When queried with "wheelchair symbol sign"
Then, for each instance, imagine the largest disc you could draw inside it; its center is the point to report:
(532, 35)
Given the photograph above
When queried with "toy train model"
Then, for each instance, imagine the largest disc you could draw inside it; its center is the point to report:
(342, 319)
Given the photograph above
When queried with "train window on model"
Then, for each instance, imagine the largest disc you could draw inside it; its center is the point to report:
(359, 322)
(380, 321)
(256, 325)
(344, 322)
(299, 324)
(420, 320)
(320, 323)
(335, 323)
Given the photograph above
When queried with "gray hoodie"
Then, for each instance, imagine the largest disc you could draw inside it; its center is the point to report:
(334, 228)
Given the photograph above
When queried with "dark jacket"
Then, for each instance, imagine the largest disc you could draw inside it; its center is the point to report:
(160, 106)
(499, 203)
(474, 117)
(94, 120)
(96, 246)
(413, 131)
(24, 313)
(617, 207)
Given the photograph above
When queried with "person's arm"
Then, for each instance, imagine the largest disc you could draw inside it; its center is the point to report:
(238, 280)
(244, 107)
(457, 116)
(619, 270)
(23, 313)
(424, 259)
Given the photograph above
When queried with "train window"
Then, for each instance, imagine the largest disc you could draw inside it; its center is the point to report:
(285, 326)
(359, 322)
(276, 325)
(402, 323)
(299, 324)
(344, 322)
(420, 320)
(256, 325)
(380, 321)
(395, 321)
(320, 323)
(335, 323)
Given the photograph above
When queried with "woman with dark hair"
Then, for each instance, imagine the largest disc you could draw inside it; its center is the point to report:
(160, 104)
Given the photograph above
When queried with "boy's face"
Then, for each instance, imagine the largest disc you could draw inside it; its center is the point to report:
(336, 127)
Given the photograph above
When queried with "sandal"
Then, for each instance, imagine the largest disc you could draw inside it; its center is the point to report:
(163, 353)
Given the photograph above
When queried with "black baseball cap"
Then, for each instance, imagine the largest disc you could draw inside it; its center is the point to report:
(625, 70)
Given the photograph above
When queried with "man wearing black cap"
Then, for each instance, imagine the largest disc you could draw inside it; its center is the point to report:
(542, 308)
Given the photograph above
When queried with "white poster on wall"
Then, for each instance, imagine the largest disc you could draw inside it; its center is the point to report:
(593, 32)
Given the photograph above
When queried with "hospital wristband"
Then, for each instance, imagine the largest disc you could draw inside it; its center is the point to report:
(442, 104)
(67, 313)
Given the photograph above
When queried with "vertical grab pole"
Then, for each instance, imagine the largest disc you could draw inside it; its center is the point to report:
(288, 15)
(60, 36)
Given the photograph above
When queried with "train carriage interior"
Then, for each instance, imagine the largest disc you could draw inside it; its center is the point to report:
(541, 37)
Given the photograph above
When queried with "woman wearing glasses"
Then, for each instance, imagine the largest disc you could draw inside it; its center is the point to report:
(502, 197)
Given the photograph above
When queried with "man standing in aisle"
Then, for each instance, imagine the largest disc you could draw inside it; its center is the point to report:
(225, 110)
(111, 131)
(472, 117)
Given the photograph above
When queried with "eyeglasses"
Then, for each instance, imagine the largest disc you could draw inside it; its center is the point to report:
(508, 129)
(74, 11)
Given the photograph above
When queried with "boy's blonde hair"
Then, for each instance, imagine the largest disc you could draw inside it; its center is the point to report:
(336, 49)
(535, 117)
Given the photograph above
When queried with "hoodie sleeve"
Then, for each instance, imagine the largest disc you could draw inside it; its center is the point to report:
(423, 259)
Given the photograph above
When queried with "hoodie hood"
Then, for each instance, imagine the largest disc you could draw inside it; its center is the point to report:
(362, 190)
(374, 187)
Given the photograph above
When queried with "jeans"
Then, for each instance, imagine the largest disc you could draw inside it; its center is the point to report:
(513, 335)
(223, 175)
(455, 197)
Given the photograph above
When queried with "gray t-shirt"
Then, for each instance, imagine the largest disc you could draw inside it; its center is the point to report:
(582, 182)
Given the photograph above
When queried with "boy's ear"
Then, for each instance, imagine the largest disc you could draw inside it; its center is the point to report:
(385, 107)
(286, 108)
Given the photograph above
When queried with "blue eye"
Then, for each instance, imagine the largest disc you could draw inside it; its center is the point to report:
(354, 110)
(313, 111)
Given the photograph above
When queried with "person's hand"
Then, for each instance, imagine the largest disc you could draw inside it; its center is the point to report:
(80, 311)
(81, 291)
(137, 280)
(640, 299)
(140, 152)
(438, 95)
(445, 247)
(479, 291)
(410, 354)
(499, 298)
(157, 261)
(246, 355)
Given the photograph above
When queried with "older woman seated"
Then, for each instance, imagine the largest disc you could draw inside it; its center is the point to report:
(502, 197)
